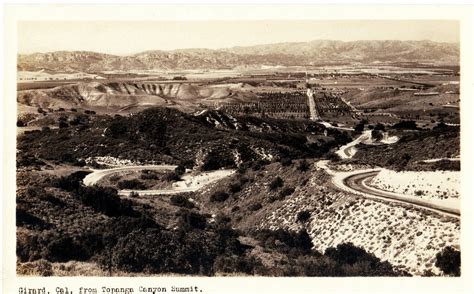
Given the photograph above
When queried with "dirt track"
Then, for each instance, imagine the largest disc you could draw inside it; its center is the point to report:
(189, 182)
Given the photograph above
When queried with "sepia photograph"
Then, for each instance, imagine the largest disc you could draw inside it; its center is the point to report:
(237, 148)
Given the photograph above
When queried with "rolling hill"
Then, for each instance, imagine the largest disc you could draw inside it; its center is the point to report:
(298, 53)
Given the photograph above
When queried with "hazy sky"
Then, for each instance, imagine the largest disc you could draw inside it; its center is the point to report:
(128, 37)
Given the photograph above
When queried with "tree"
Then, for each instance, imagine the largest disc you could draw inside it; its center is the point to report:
(359, 127)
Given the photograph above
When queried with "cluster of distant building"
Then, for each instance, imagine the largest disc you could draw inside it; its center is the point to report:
(43, 75)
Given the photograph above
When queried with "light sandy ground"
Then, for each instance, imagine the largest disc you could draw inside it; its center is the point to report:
(389, 139)
(196, 182)
(328, 125)
(425, 184)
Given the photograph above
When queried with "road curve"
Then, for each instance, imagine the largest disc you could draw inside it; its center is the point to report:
(349, 150)
(97, 175)
(357, 182)
(189, 183)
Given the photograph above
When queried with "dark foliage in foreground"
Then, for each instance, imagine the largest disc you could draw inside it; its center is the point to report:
(449, 261)
(344, 260)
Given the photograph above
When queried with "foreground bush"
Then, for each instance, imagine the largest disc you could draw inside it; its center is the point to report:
(219, 196)
(275, 184)
(449, 261)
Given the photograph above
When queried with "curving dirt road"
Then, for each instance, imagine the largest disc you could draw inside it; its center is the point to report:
(97, 175)
(358, 183)
(188, 183)
(349, 150)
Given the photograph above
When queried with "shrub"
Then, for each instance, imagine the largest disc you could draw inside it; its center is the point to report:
(419, 193)
(255, 207)
(219, 196)
(377, 135)
(286, 161)
(303, 216)
(63, 124)
(275, 184)
(148, 175)
(303, 166)
(171, 177)
(359, 127)
(405, 124)
(71, 182)
(104, 200)
(181, 201)
(234, 264)
(192, 220)
(179, 170)
(286, 192)
(131, 184)
(355, 261)
(449, 261)
(379, 127)
(235, 187)
(288, 239)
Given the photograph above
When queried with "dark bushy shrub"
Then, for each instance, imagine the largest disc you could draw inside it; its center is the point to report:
(449, 261)
(287, 240)
(255, 207)
(192, 220)
(275, 184)
(303, 216)
(71, 182)
(355, 261)
(405, 124)
(286, 192)
(105, 200)
(180, 170)
(133, 184)
(181, 201)
(286, 161)
(235, 187)
(219, 196)
(303, 166)
(359, 127)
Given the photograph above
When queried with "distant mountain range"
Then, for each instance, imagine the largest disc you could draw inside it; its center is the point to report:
(285, 54)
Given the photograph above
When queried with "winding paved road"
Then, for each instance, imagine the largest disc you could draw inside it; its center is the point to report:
(358, 183)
